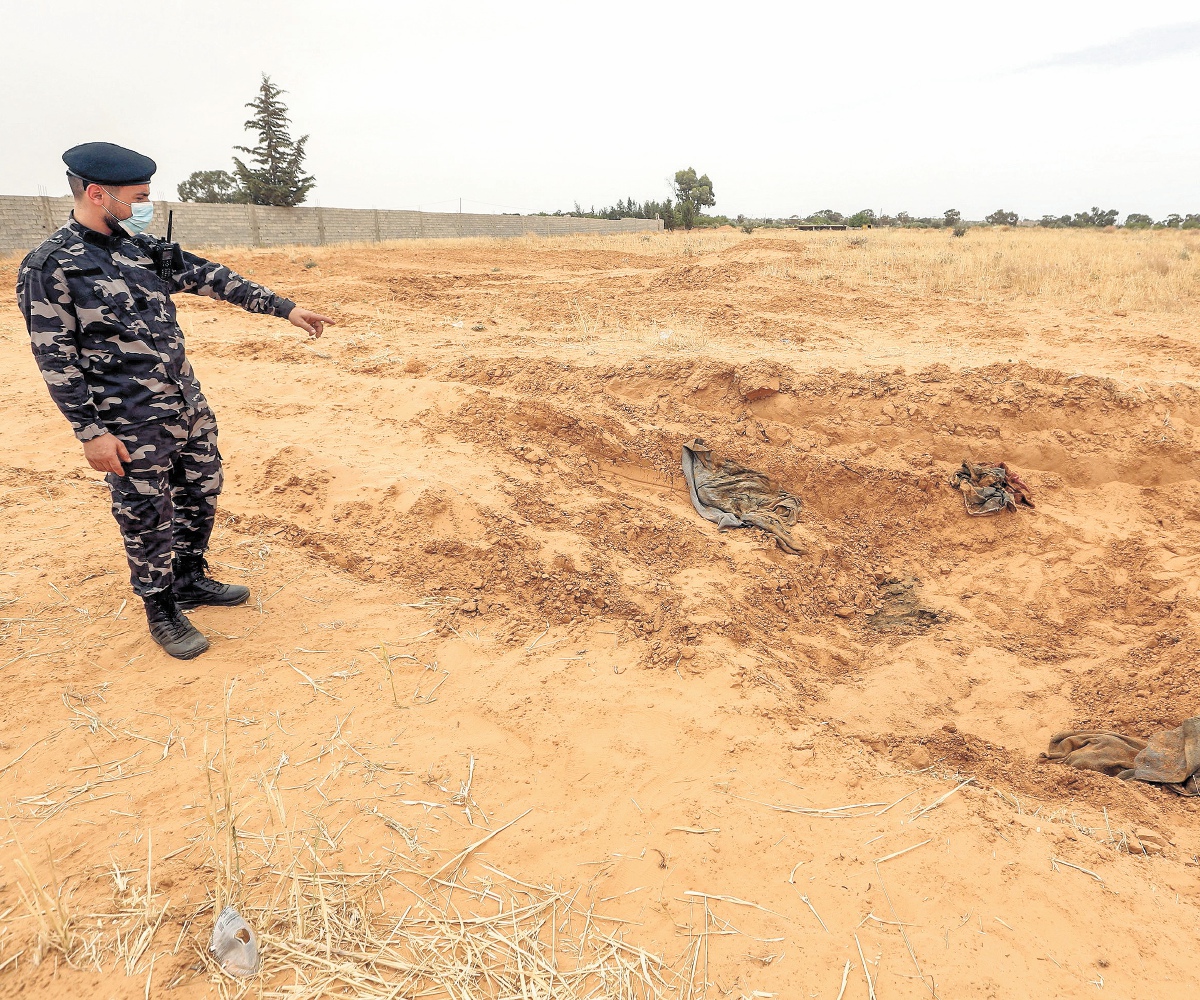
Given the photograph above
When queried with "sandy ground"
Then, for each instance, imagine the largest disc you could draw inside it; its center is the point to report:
(480, 595)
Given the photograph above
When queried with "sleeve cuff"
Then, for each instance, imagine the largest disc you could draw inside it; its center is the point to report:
(283, 307)
(90, 431)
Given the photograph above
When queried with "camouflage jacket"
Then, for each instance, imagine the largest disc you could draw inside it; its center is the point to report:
(103, 329)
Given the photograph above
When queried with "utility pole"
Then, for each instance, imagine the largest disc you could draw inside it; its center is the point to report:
(460, 206)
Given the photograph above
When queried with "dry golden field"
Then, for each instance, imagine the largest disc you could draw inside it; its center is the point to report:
(505, 718)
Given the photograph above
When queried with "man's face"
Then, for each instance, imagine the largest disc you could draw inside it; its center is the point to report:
(116, 200)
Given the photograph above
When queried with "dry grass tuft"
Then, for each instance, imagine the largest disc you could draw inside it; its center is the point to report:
(501, 938)
(56, 925)
(222, 816)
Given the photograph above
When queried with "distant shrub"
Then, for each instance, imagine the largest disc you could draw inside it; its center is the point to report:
(1097, 217)
(960, 229)
(630, 209)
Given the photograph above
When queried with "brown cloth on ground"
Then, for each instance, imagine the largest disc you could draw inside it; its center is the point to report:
(989, 489)
(1170, 758)
(732, 496)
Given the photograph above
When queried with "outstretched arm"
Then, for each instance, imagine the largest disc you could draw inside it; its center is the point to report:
(204, 277)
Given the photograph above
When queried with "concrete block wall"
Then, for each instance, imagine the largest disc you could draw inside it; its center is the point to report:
(26, 221)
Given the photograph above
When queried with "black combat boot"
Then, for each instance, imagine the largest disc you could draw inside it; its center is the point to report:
(178, 636)
(193, 586)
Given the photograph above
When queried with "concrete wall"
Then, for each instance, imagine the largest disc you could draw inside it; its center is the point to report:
(26, 221)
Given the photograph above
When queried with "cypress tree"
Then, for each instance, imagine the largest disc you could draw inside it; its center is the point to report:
(276, 175)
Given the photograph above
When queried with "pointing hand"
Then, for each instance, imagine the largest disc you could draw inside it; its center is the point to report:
(310, 322)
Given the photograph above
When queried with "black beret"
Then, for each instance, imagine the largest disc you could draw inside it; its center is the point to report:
(106, 163)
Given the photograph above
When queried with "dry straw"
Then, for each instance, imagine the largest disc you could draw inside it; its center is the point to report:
(395, 925)
(498, 939)
(392, 929)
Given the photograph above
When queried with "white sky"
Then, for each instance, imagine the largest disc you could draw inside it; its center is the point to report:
(790, 107)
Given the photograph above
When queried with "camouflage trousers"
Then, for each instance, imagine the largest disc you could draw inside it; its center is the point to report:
(166, 502)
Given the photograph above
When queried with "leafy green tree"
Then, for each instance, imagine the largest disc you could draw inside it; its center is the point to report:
(1135, 220)
(865, 217)
(1001, 218)
(826, 217)
(692, 193)
(1096, 217)
(277, 175)
(1172, 221)
(952, 217)
(1191, 222)
(218, 186)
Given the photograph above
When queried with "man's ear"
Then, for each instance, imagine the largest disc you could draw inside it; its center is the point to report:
(94, 193)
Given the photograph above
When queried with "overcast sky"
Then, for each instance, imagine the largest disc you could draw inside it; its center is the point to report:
(790, 107)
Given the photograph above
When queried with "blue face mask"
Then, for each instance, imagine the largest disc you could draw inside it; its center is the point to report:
(142, 215)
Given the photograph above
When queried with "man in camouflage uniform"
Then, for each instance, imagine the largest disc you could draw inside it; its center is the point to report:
(103, 330)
